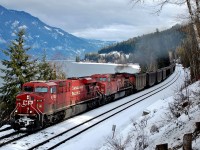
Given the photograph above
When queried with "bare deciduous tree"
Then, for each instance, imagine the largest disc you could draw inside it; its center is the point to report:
(193, 9)
(141, 140)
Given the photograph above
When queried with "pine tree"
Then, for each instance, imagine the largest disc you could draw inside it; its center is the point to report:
(46, 71)
(77, 58)
(18, 69)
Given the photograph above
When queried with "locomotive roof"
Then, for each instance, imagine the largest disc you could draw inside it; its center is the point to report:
(86, 79)
(101, 75)
(39, 83)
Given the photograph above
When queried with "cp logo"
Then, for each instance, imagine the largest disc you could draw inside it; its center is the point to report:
(26, 102)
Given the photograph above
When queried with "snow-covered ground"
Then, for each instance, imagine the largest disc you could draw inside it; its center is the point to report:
(130, 122)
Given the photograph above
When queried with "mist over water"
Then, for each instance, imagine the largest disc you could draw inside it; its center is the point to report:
(73, 69)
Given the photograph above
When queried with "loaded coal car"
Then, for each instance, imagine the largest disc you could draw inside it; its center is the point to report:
(140, 81)
(168, 71)
(159, 75)
(164, 75)
(172, 68)
(150, 79)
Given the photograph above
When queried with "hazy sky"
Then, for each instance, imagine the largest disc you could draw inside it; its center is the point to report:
(99, 19)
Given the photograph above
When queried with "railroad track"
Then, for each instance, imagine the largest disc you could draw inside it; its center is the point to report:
(11, 137)
(86, 125)
(5, 129)
(14, 136)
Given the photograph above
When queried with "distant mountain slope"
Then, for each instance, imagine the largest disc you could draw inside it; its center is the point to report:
(58, 43)
(159, 42)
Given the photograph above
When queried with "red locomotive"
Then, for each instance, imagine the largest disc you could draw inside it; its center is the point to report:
(45, 102)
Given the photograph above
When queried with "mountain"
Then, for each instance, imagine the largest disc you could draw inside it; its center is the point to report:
(39, 36)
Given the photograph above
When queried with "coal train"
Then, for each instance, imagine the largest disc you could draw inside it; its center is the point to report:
(42, 103)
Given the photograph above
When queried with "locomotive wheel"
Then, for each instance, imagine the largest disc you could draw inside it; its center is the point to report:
(16, 126)
(90, 105)
(45, 122)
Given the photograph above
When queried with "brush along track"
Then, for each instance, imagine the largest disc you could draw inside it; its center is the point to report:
(82, 127)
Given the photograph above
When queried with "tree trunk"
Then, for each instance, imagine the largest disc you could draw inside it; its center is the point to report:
(187, 141)
(198, 10)
(193, 23)
(162, 147)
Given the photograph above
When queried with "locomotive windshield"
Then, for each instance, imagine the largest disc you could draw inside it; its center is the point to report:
(102, 79)
(41, 89)
(28, 88)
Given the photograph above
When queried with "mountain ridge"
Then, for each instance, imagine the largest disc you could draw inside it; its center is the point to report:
(58, 43)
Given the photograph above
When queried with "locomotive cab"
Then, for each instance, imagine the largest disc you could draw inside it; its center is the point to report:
(30, 103)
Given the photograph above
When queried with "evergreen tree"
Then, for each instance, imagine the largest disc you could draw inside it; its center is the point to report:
(18, 69)
(46, 71)
(78, 59)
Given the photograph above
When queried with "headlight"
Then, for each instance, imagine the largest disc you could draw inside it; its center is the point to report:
(27, 96)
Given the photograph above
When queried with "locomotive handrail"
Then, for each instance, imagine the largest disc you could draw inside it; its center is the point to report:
(38, 113)
(14, 111)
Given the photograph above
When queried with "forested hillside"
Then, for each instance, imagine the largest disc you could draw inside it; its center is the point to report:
(157, 41)
(151, 51)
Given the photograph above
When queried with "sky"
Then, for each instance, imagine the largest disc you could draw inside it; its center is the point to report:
(110, 20)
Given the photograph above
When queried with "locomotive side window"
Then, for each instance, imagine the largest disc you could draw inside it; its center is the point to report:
(41, 89)
(53, 89)
(102, 79)
(28, 88)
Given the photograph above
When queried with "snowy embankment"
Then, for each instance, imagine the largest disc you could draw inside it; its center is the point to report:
(160, 125)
